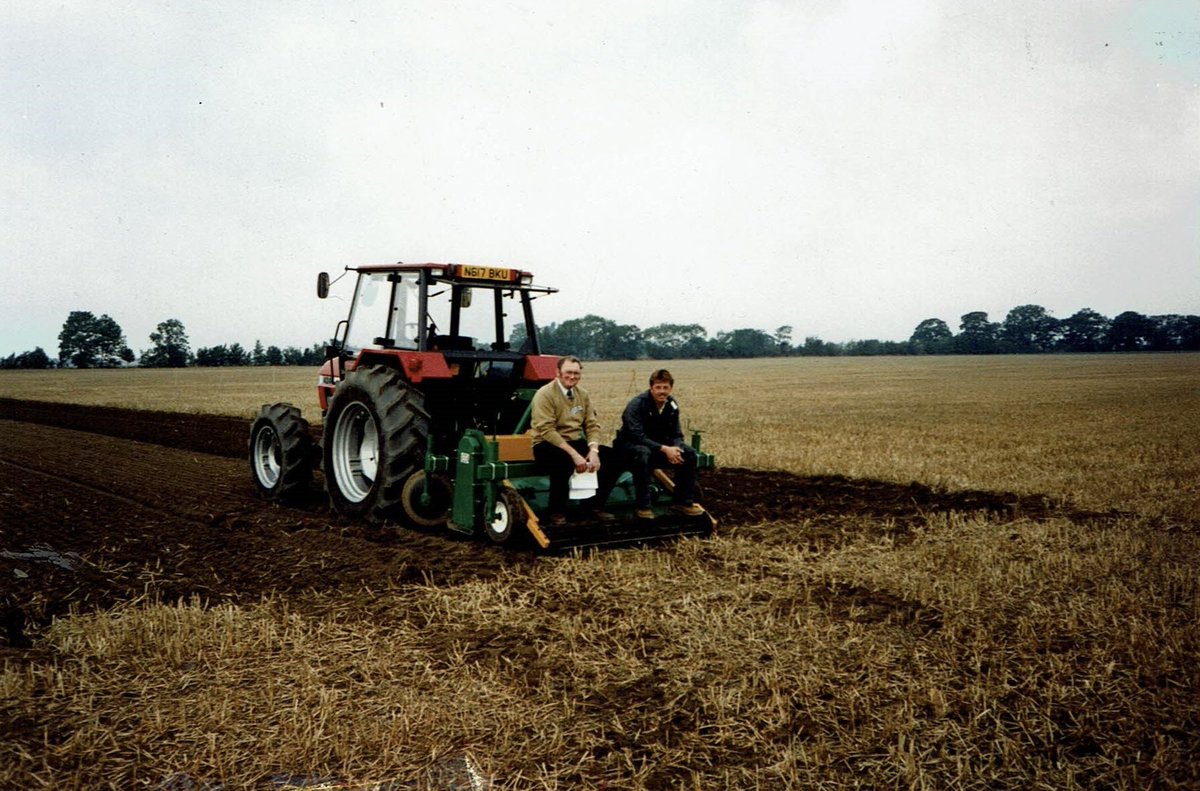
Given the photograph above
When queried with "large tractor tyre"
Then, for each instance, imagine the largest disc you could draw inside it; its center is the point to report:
(507, 526)
(281, 454)
(426, 500)
(375, 434)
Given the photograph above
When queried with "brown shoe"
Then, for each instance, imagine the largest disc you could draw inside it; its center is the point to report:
(603, 516)
(691, 509)
(645, 513)
(557, 520)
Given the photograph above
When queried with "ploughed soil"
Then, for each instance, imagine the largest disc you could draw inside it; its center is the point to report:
(100, 505)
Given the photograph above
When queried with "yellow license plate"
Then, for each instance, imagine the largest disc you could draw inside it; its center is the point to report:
(485, 272)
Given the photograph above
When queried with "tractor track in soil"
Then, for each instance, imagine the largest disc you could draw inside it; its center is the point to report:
(100, 505)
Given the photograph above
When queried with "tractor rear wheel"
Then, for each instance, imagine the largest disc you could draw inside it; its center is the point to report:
(426, 500)
(507, 526)
(375, 433)
(281, 453)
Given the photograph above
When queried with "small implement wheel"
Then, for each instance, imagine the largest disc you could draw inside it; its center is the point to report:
(281, 453)
(507, 526)
(426, 500)
(375, 433)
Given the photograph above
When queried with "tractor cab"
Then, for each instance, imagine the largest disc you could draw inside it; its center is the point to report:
(463, 334)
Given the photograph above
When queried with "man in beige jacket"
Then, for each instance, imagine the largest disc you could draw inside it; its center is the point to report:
(566, 440)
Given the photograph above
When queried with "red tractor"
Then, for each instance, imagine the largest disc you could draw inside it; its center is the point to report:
(426, 403)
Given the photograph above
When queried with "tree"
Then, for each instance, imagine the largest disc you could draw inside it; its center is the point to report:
(171, 348)
(977, 335)
(236, 355)
(222, 355)
(1029, 329)
(259, 355)
(783, 337)
(1084, 331)
(90, 342)
(668, 341)
(593, 337)
(210, 356)
(746, 343)
(293, 355)
(35, 359)
(1131, 332)
(873, 347)
(815, 347)
(274, 355)
(1176, 333)
(932, 336)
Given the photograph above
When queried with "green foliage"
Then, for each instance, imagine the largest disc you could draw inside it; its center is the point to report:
(171, 348)
(1028, 329)
(815, 347)
(1085, 331)
(674, 341)
(36, 359)
(932, 336)
(1177, 332)
(593, 337)
(1131, 332)
(783, 338)
(259, 355)
(90, 342)
(977, 335)
(875, 348)
(234, 354)
(746, 343)
(222, 355)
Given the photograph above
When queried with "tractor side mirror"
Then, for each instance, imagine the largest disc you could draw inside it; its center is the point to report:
(464, 298)
(323, 285)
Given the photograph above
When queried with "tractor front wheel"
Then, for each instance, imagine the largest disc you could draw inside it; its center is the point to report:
(281, 453)
(375, 433)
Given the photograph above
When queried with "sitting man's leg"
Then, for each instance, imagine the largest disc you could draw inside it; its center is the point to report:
(606, 479)
(685, 477)
(559, 468)
(638, 461)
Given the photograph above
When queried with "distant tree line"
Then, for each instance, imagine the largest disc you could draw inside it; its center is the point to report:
(88, 341)
(1028, 329)
(234, 354)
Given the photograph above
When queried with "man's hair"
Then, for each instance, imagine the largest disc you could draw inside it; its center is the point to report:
(662, 375)
(568, 358)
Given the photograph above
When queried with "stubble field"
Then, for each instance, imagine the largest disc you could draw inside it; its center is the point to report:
(943, 573)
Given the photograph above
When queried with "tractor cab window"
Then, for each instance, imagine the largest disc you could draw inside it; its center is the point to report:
(475, 308)
(383, 316)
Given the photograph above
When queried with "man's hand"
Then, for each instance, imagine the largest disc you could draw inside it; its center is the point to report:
(673, 454)
(581, 464)
(593, 460)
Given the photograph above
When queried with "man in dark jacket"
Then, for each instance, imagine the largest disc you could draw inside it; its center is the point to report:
(650, 437)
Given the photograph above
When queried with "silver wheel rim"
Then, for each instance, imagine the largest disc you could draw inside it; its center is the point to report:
(355, 452)
(267, 457)
(500, 522)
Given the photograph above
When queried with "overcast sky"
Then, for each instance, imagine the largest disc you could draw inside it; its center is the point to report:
(846, 168)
